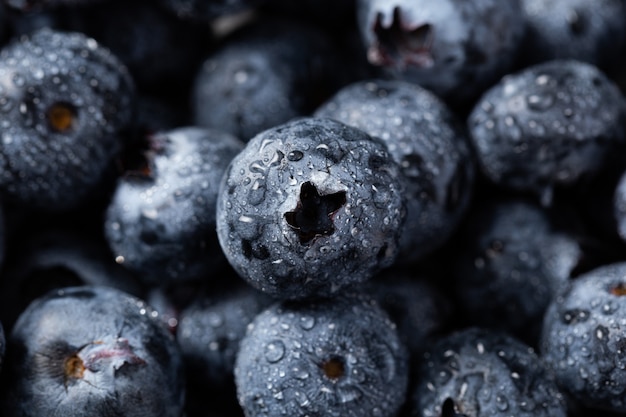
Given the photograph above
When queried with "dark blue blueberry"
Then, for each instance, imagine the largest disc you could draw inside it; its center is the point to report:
(91, 351)
(55, 258)
(427, 141)
(548, 126)
(583, 339)
(209, 332)
(515, 254)
(258, 78)
(309, 207)
(587, 30)
(456, 48)
(160, 222)
(337, 357)
(64, 101)
(479, 372)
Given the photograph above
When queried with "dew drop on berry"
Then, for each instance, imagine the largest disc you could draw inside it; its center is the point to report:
(307, 322)
(274, 351)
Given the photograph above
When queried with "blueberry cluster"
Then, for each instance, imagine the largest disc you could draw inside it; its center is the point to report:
(355, 208)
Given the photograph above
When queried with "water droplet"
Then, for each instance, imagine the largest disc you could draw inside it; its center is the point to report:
(502, 403)
(540, 102)
(307, 322)
(256, 195)
(274, 351)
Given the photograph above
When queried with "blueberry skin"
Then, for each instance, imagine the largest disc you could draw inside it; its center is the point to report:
(336, 357)
(455, 48)
(64, 100)
(514, 254)
(92, 351)
(160, 222)
(428, 142)
(309, 207)
(583, 338)
(480, 372)
(258, 78)
(550, 125)
(585, 30)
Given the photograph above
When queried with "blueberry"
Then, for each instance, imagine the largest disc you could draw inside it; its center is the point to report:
(65, 101)
(337, 357)
(425, 138)
(310, 207)
(583, 338)
(479, 372)
(590, 31)
(160, 222)
(514, 253)
(455, 48)
(258, 78)
(91, 351)
(209, 333)
(548, 126)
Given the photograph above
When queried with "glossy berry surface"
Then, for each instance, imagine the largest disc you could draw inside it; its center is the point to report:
(549, 125)
(265, 77)
(517, 255)
(583, 338)
(64, 100)
(475, 371)
(339, 357)
(160, 222)
(92, 350)
(310, 207)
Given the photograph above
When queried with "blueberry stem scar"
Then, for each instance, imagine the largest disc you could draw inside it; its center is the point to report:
(313, 215)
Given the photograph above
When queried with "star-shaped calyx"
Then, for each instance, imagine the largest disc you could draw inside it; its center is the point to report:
(401, 43)
(313, 215)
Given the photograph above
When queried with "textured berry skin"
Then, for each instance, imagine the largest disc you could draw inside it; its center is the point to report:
(309, 207)
(64, 100)
(583, 338)
(514, 254)
(590, 31)
(455, 48)
(337, 357)
(92, 351)
(425, 138)
(478, 372)
(258, 78)
(547, 126)
(160, 222)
